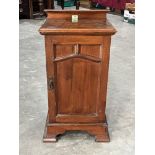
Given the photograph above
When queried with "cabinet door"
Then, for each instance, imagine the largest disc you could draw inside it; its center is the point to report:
(78, 66)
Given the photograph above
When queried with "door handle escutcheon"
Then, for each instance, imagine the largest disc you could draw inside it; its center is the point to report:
(51, 84)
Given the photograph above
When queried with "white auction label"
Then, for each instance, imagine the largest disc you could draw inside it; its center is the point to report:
(74, 18)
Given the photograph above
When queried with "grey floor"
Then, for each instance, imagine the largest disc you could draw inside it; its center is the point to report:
(33, 97)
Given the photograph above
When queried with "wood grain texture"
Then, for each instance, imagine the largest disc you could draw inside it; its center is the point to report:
(90, 22)
(83, 14)
(99, 130)
(77, 61)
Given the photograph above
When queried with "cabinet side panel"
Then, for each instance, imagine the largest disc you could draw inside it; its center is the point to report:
(50, 74)
(104, 77)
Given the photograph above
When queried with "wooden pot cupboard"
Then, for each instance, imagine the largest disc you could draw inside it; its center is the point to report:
(77, 60)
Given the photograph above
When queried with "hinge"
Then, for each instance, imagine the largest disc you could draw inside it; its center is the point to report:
(51, 84)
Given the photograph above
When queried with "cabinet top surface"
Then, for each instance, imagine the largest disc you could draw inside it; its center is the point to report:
(89, 22)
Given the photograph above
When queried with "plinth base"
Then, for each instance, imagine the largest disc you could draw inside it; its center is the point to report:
(99, 130)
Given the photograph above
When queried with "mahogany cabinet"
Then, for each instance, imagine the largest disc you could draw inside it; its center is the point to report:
(77, 59)
(29, 9)
(25, 9)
